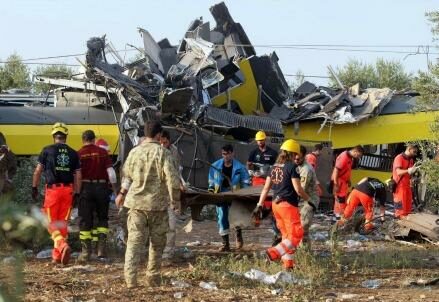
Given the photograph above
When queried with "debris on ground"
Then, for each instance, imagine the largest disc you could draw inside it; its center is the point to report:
(83, 268)
(180, 284)
(422, 282)
(44, 254)
(208, 285)
(280, 277)
(373, 284)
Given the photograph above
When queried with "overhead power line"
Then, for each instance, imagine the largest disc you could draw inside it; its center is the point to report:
(417, 49)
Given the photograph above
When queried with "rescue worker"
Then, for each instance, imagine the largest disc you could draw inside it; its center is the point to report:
(259, 163)
(341, 177)
(403, 168)
(149, 177)
(365, 192)
(8, 168)
(313, 157)
(309, 183)
(284, 180)
(261, 157)
(61, 167)
(165, 141)
(227, 174)
(97, 171)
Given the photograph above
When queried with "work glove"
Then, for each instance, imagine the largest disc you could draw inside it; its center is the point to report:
(309, 203)
(256, 215)
(412, 170)
(250, 172)
(35, 193)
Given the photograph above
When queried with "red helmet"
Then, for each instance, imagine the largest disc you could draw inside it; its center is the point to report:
(102, 143)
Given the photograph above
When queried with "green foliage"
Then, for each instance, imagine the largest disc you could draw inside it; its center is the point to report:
(433, 17)
(14, 74)
(384, 73)
(52, 71)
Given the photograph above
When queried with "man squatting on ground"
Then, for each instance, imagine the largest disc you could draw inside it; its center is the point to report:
(365, 193)
(150, 176)
(61, 167)
(284, 179)
(227, 174)
(97, 170)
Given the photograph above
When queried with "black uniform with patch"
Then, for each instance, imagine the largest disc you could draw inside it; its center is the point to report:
(268, 157)
(373, 188)
(282, 187)
(60, 163)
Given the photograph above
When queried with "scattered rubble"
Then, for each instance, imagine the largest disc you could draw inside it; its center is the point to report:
(208, 285)
(373, 284)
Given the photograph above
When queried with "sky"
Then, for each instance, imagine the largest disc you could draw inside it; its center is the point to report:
(44, 28)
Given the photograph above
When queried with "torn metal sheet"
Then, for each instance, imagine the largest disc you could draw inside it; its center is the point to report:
(422, 223)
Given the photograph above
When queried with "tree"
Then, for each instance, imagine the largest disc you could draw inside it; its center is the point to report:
(383, 73)
(51, 71)
(14, 74)
(427, 84)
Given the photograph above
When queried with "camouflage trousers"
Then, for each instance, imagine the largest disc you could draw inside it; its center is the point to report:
(144, 226)
(306, 216)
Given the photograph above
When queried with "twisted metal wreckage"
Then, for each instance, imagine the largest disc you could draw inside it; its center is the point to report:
(213, 80)
(209, 87)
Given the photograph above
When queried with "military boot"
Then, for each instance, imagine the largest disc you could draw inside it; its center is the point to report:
(85, 251)
(239, 240)
(102, 246)
(226, 244)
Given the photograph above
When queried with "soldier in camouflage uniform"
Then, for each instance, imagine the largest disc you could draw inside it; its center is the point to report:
(151, 177)
(8, 168)
(308, 181)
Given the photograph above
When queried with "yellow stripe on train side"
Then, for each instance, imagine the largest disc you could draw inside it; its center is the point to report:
(30, 139)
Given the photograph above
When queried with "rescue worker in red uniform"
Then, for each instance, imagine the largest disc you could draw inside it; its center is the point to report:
(313, 157)
(365, 192)
(284, 179)
(341, 177)
(402, 170)
(61, 167)
(97, 173)
(260, 160)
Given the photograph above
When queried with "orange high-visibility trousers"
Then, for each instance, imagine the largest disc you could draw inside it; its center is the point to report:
(57, 206)
(355, 198)
(288, 221)
(402, 199)
(340, 205)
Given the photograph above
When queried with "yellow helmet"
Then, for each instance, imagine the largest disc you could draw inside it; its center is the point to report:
(260, 136)
(60, 127)
(290, 145)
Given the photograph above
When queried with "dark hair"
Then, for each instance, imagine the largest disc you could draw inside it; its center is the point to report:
(88, 135)
(60, 136)
(166, 134)
(152, 128)
(227, 148)
(318, 147)
(302, 150)
(359, 148)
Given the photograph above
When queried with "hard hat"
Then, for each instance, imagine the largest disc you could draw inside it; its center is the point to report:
(290, 145)
(60, 127)
(102, 143)
(260, 136)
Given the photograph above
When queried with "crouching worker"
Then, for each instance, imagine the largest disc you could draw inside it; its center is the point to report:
(365, 192)
(227, 174)
(284, 179)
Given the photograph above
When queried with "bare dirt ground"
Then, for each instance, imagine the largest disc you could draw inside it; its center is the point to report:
(334, 274)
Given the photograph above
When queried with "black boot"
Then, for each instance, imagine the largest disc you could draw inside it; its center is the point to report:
(239, 240)
(102, 246)
(226, 244)
(276, 240)
(85, 251)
